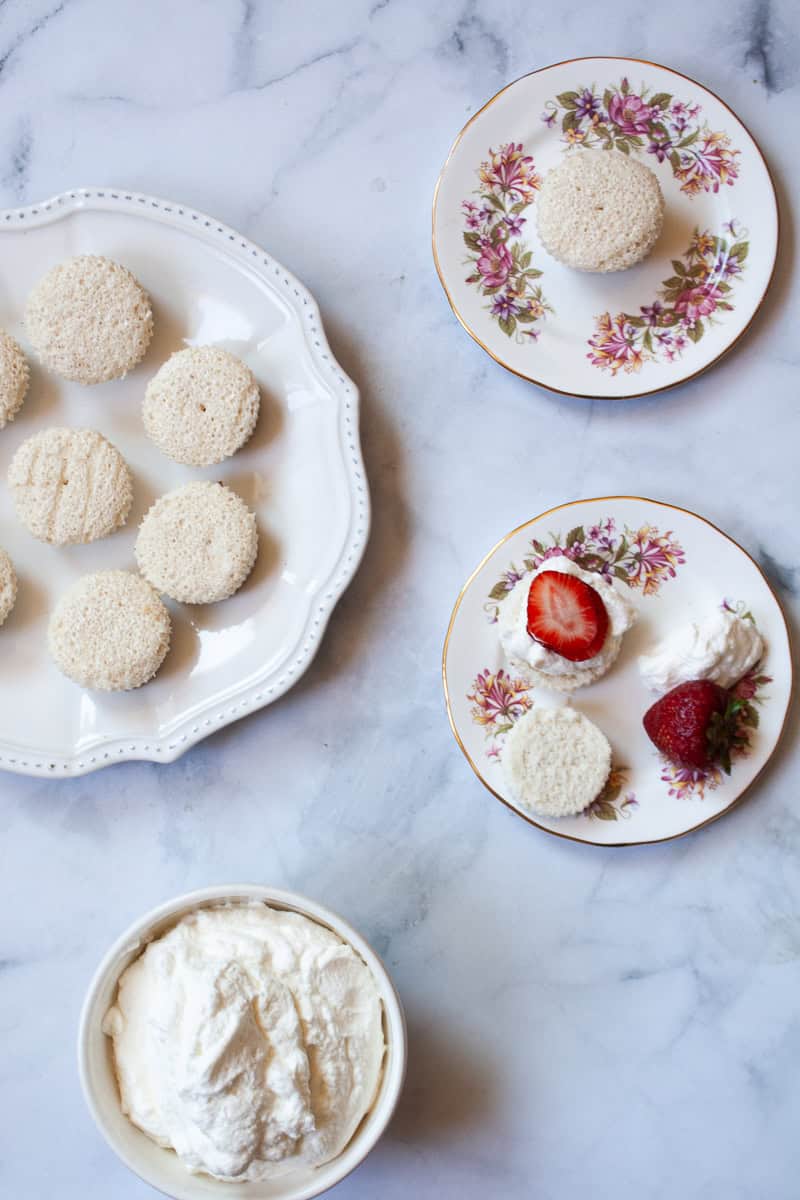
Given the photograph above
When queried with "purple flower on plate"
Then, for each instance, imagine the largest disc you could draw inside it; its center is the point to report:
(514, 225)
(549, 118)
(587, 104)
(727, 268)
(504, 306)
(602, 529)
(651, 312)
(471, 215)
(660, 147)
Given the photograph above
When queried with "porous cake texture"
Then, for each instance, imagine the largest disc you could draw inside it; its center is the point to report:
(599, 210)
(14, 378)
(8, 586)
(198, 543)
(556, 761)
(201, 406)
(89, 320)
(109, 631)
(70, 485)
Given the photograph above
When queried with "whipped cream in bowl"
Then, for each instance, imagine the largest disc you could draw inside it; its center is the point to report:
(242, 1041)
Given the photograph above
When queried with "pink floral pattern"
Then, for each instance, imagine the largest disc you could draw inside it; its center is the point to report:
(641, 122)
(684, 782)
(497, 700)
(500, 262)
(641, 558)
(687, 305)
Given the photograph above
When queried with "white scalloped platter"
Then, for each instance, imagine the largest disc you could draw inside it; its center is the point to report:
(626, 333)
(301, 473)
(675, 567)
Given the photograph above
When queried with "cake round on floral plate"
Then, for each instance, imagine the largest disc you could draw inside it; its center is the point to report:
(89, 319)
(600, 211)
(556, 761)
(562, 627)
(14, 378)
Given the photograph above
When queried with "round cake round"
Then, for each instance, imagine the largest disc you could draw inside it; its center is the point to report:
(89, 319)
(8, 586)
(109, 631)
(14, 378)
(198, 543)
(201, 406)
(556, 761)
(600, 210)
(70, 485)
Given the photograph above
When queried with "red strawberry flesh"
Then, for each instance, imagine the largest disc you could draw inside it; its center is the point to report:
(567, 616)
(695, 724)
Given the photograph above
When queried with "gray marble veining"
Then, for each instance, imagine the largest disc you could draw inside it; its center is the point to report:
(583, 1021)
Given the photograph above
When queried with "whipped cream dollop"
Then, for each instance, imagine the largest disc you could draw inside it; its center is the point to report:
(723, 648)
(248, 1040)
(520, 647)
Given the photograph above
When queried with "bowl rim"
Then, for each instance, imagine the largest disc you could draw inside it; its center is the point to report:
(143, 930)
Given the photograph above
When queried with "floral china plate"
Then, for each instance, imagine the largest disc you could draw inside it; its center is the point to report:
(676, 568)
(628, 333)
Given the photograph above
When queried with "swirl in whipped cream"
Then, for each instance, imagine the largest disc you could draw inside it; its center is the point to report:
(723, 648)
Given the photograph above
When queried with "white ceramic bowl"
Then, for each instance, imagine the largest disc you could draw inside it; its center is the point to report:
(161, 1168)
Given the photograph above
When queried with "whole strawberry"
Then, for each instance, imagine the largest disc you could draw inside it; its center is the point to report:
(698, 724)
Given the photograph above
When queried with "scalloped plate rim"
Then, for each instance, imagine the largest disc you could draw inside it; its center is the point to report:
(187, 730)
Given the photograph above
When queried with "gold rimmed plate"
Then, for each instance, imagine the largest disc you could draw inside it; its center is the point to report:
(627, 333)
(675, 567)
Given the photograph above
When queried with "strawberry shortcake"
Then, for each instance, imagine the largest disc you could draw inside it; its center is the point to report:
(561, 626)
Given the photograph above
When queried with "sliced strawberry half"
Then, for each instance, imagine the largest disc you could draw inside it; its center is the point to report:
(567, 616)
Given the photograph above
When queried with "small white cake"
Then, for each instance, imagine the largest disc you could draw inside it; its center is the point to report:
(109, 631)
(8, 586)
(198, 543)
(14, 378)
(599, 210)
(70, 485)
(89, 320)
(201, 406)
(556, 761)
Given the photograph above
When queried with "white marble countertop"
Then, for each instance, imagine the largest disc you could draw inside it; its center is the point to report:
(583, 1021)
